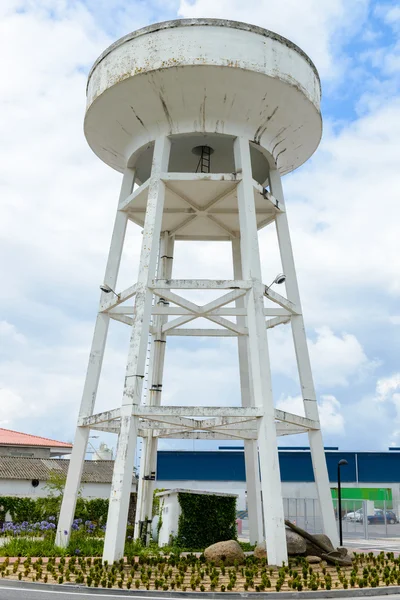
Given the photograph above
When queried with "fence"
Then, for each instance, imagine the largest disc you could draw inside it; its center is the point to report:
(379, 523)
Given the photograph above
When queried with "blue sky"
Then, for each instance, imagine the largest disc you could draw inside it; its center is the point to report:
(58, 201)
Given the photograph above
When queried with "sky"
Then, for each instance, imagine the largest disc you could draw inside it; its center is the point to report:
(57, 204)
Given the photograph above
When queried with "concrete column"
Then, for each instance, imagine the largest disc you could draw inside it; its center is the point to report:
(93, 372)
(149, 456)
(259, 360)
(125, 455)
(250, 446)
(304, 365)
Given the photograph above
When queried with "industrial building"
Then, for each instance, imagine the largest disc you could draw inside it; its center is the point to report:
(368, 475)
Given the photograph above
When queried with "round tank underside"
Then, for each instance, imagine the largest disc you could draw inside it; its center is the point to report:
(214, 78)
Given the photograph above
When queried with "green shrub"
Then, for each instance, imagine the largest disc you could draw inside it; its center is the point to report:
(40, 509)
(205, 520)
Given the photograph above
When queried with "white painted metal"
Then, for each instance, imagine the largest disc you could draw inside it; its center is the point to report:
(304, 365)
(93, 373)
(257, 105)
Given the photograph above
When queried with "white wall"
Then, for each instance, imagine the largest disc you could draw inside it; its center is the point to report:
(12, 487)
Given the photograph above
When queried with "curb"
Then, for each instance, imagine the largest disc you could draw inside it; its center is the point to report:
(79, 589)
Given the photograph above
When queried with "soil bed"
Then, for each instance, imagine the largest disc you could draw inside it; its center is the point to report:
(192, 573)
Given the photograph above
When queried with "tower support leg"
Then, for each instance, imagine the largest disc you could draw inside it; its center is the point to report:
(93, 372)
(304, 365)
(260, 374)
(253, 483)
(125, 456)
(148, 464)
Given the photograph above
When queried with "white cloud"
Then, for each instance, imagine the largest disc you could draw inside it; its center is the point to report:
(386, 387)
(331, 417)
(11, 407)
(9, 335)
(335, 359)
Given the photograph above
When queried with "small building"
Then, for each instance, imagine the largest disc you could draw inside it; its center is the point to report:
(15, 443)
(171, 511)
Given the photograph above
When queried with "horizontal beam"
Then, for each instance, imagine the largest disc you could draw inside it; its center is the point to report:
(197, 411)
(233, 177)
(281, 300)
(106, 427)
(103, 417)
(116, 300)
(286, 417)
(166, 421)
(271, 323)
(199, 332)
(289, 429)
(200, 284)
(122, 318)
(206, 435)
(129, 201)
(268, 197)
(217, 422)
(233, 311)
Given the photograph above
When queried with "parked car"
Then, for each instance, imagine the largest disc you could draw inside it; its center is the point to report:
(354, 516)
(379, 517)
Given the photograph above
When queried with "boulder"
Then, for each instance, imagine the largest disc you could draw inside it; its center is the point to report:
(225, 553)
(260, 551)
(313, 560)
(295, 543)
(335, 557)
(314, 550)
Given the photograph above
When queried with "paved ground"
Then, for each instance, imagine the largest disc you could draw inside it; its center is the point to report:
(387, 545)
(353, 530)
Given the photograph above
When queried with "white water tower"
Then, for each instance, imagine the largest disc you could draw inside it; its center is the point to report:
(202, 117)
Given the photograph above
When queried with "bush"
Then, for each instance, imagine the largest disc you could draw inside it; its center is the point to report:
(205, 520)
(40, 509)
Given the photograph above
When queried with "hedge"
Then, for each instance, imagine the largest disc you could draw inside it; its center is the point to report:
(205, 520)
(40, 509)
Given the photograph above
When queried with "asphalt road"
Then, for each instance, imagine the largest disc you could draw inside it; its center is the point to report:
(15, 593)
(21, 593)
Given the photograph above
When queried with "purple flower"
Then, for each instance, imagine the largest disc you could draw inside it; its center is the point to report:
(77, 551)
(65, 532)
(52, 518)
(129, 537)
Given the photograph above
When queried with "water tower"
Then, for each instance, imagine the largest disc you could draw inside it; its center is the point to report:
(202, 117)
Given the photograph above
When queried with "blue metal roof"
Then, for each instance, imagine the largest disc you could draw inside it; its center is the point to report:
(373, 467)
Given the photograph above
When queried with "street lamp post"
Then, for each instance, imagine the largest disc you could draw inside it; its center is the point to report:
(340, 464)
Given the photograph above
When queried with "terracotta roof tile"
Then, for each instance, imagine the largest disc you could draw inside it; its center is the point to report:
(8, 437)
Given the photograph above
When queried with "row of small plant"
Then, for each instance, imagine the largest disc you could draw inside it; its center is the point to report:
(170, 573)
(176, 572)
